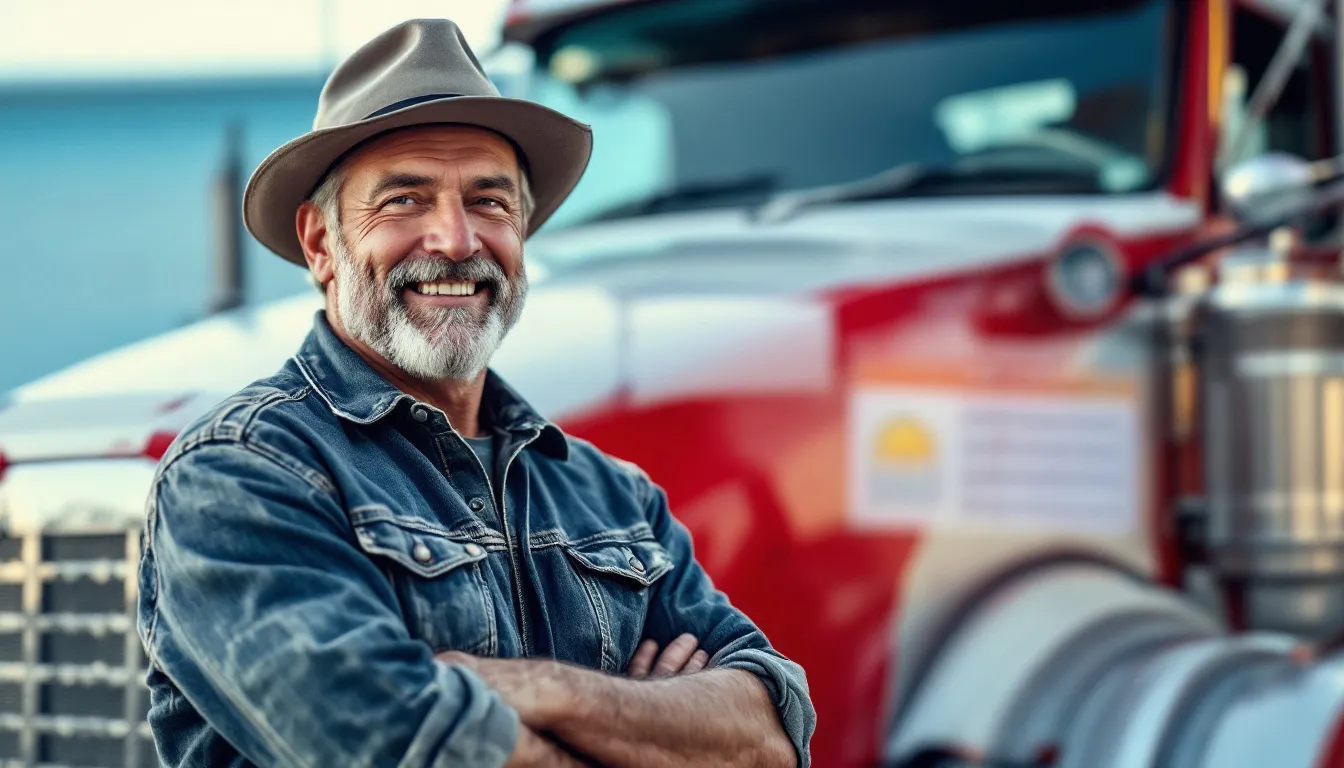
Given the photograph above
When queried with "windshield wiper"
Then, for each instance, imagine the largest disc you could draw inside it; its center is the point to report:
(912, 177)
(691, 194)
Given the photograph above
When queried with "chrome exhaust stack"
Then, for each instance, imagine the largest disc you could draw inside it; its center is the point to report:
(1269, 347)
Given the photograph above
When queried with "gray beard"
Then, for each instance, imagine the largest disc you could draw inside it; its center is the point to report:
(448, 343)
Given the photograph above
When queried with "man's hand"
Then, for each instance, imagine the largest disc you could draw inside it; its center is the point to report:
(533, 687)
(718, 718)
(536, 751)
(680, 657)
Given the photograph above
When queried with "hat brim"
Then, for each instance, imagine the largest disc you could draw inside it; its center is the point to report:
(556, 149)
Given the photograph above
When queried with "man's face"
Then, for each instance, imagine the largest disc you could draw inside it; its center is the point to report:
(427, 262)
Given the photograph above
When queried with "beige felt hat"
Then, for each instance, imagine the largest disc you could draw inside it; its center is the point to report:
(418, 72)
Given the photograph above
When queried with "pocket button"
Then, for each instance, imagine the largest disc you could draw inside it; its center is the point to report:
(473, 550)
(634, 563)
(476, 504)
(421, 553)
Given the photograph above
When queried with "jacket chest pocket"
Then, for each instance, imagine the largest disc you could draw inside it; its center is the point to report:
(439, 581)
(618, 578)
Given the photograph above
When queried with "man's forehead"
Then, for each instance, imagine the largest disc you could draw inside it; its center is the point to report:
(432, 150)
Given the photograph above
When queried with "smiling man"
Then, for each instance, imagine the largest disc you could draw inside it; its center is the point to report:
(381, 555)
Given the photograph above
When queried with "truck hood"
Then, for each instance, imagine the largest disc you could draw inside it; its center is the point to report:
(654, 308)
(728, 252)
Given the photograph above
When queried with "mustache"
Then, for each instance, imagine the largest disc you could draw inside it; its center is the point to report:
(430, 270)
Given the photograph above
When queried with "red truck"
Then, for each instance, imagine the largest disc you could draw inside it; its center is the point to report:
(992, 352)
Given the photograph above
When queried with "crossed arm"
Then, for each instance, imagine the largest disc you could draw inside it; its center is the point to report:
(723, 716)
(719, 717)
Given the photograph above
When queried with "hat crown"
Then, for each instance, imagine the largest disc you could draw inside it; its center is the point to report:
(416, 60)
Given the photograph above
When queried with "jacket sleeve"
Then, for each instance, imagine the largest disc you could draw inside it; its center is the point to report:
(685, 600)
(259, 606)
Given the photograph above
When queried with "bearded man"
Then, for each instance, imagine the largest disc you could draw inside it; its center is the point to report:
(381, 556)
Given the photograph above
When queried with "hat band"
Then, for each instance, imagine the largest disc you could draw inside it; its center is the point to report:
(404, 103)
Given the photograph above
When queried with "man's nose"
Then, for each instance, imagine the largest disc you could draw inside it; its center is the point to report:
(451, 232)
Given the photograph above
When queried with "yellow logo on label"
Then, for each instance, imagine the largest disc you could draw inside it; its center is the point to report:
(904, 441)
(904, 463)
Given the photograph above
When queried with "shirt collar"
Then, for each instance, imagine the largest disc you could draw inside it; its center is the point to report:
(355, 392)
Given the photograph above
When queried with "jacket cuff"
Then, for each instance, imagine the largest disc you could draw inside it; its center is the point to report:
(481, 729)
(787, 685)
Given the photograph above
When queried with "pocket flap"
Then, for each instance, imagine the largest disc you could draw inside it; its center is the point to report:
(642, 562)
(418, 545)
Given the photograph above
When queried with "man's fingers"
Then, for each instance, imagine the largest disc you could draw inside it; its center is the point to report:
(642, 661)
(696, 663)
(675, 655)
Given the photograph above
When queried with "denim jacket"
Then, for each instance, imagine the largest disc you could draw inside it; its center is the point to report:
(317, 537)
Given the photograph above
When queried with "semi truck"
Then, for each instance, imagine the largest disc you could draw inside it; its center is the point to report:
(993, 354)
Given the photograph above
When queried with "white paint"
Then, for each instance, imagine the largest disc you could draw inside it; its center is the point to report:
(987, 665)
(564, 353)
(1290, 724)
(82, 496)
(100, 425)
(995, 460)
(687, 347)
(918, 237)
(221, 353)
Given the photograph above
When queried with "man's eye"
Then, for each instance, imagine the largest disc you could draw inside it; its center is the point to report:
(400, 200)
(492, 201)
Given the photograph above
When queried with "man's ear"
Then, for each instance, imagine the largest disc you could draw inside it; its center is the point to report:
(311, 225)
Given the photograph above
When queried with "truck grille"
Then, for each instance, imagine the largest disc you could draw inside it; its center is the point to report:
(72, 671)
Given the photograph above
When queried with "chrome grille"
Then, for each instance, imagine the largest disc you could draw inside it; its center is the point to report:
(72, 671)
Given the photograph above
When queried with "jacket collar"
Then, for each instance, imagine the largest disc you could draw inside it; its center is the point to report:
(355, 392)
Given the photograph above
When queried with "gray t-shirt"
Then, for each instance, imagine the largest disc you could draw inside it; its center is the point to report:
(485, 451)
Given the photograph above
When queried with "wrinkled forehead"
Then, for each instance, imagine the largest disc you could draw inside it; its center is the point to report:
(434, 149)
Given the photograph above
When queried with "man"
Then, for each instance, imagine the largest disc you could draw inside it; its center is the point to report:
(381, 555)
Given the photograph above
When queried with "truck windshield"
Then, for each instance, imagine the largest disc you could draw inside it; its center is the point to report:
(709, 103)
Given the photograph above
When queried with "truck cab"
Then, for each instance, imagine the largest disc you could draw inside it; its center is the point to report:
(854, 282)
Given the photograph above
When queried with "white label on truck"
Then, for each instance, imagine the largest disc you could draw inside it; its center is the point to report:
(935, 456)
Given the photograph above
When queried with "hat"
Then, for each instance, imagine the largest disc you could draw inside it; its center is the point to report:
(418, 72)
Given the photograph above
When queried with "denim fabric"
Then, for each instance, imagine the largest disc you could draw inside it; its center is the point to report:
(316, 538)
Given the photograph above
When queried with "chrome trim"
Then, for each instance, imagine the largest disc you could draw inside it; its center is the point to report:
(68, 674)
(1054, 279)
(1295, 296)
(131, 667)
(98, 571)
(31, 723)
(32, 607)
(96, 624)
(68, 725)
(1308, 362)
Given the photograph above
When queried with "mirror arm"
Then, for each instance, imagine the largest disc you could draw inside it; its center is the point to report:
(1152, 281)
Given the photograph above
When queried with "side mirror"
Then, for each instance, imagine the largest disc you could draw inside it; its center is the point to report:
(1266, 185)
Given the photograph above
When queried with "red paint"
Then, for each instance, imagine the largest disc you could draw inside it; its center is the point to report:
(760, 480)
(157, 445)
(1196, 133)
(1333, 756)
(4, 465)
(173, 405)
(768, 525)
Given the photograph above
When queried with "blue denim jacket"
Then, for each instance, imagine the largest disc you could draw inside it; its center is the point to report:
(316, 538)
